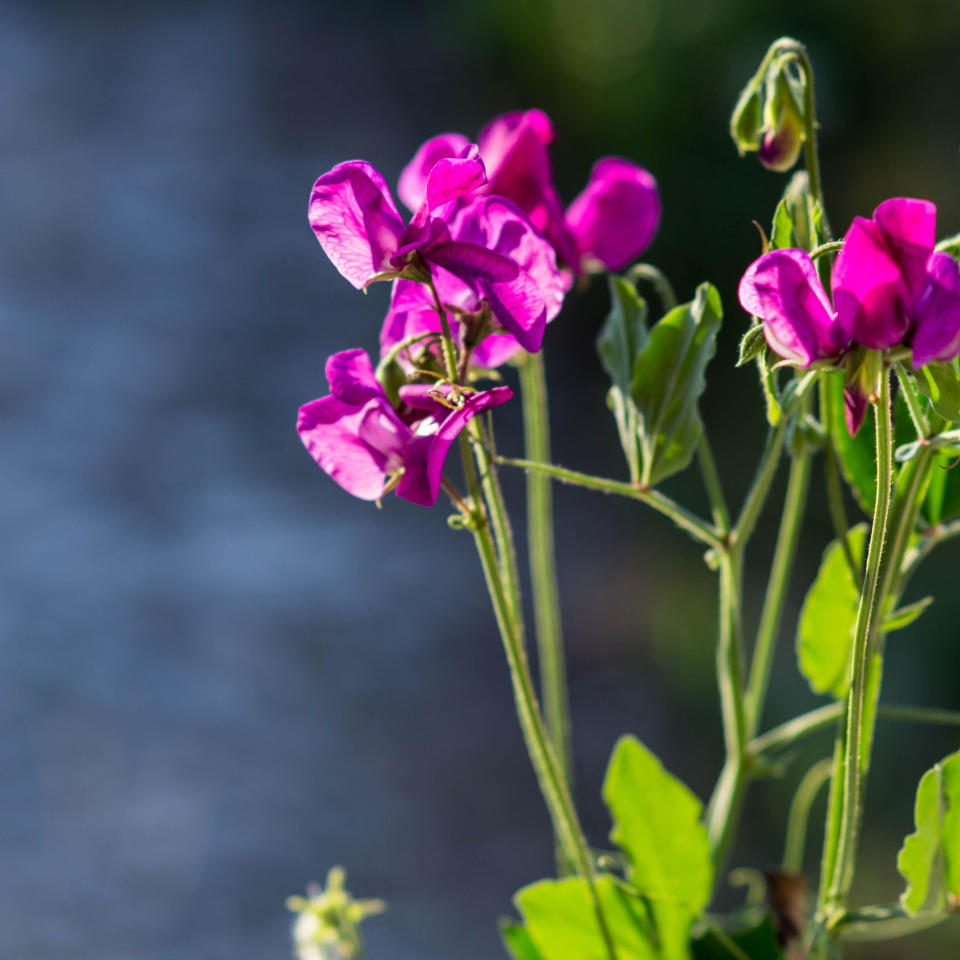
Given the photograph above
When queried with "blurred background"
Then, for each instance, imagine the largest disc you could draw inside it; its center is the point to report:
(220, 674)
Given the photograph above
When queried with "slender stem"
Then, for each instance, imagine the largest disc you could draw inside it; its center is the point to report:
(950, 718)
(658, 280)
(866, 612)
(683, 518)
(925, 546)
(831, 246)
(543, 571)
(757, 496)
(545, 764)
(786, 733)
(885, 923)
(727, 797)
(711, 480)
(784, 553)
(799, 815)
(831, 464)
(913, 402)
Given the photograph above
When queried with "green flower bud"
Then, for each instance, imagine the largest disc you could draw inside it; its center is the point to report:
(783, 126)
(745, 122)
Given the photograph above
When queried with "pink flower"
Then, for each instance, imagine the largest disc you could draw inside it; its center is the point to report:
(495, 224)
(889, 288)
(611, 223)
(358, 226)
(360, 440)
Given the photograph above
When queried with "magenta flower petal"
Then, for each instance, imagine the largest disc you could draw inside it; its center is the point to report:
(782, 289)
(499, 225)
(412, 188)
(355, 220)
(410, 314)
(909, 227)
(356, 445)
(616, 216)
(452, 177)
(351, 377)
(937, 312)
(427, 453)
(513, 295)
(869, 292)
(495, 350)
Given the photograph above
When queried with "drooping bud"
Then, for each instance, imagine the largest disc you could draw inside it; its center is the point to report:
(783, 126)
(746, 120)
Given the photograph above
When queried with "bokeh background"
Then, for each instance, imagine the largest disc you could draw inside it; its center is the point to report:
(220, 674)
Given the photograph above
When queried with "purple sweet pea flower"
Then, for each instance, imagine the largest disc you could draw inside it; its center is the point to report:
(782, 289)
(359, 439)
(616, 217)
(891, 287)
(492, 223)
(610, 223)
(358, 226)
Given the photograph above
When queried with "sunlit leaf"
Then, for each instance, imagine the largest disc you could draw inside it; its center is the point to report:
(930, 857)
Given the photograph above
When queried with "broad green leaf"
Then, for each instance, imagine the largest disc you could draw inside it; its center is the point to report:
(516, 938)
(930, 857)
(758, 943)
(905, 615)
(668, 378)
(856, 454)
(561, 922)
(825, 632)
(657, 825)
(942, 502)
(940, 382)
(623, 336)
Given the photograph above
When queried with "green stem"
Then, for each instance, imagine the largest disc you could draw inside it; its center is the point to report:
(727, 797)
(799, 816)
(784, 553)
(543, 571)
(885, 923)
(711, 480)
(683, 518)
(913, 403)
(658, 280)
(852, 795)
(760, 488)
(926, 545)
(563, 815)
(786, 733)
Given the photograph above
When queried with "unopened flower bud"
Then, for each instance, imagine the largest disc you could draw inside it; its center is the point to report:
(783, 126)
(746, 120)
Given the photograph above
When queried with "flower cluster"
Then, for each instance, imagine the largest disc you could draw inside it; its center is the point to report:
(890, 289)
(489, 254)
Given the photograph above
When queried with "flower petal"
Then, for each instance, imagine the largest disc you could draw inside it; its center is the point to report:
(782, 289)
(869, 290)
(351, 377)
(427, 453)
(355, 220)
(514, 150)
(616, 216)
(452, 177)
(412, 188)
(937, 312)
(355, 445)
(910, 229)
(855, 403)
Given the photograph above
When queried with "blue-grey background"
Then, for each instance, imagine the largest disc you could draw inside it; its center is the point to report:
(220, 674)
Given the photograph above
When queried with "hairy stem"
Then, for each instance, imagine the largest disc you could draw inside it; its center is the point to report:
(852, 794)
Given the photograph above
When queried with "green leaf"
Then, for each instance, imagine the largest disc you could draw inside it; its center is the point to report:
(930, 857)
(905, 615)
(794, 214)
(623, 336)
(758, 943)
(561, 922)
(516, 938)
(950, 245)
(825, 632)
(668, 378)
(657, 825)
(942, 502)
(940, 382)
(856, 454)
